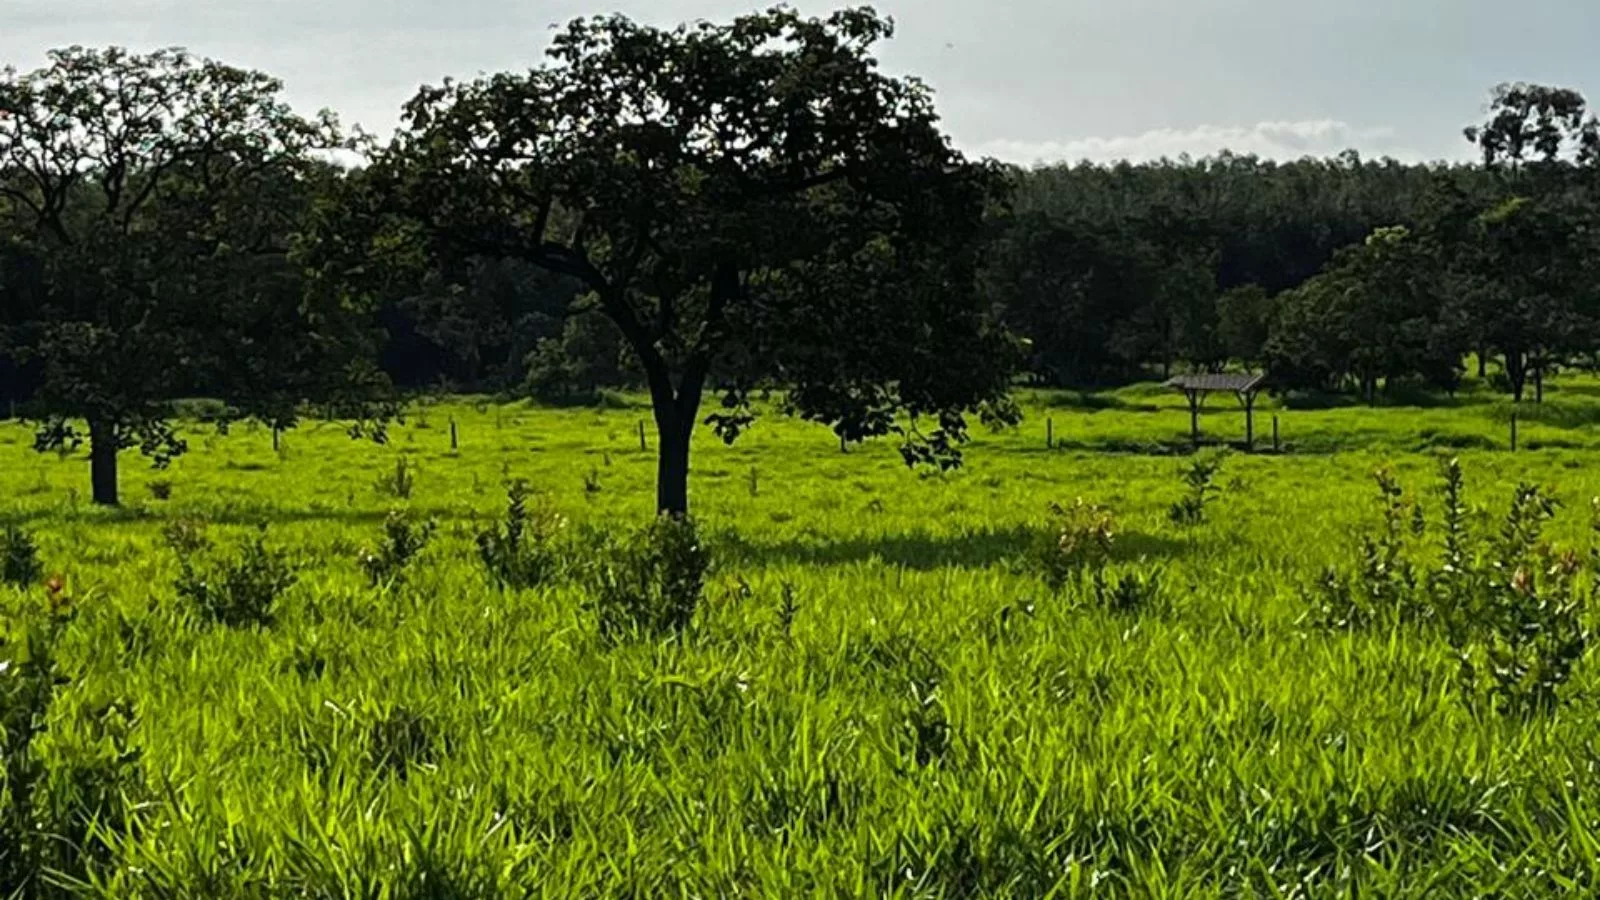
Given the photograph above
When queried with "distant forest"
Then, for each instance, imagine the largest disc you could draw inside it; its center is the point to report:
(1337, 275)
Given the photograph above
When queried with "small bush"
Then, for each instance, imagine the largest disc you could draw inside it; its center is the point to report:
(161, 489)
(403, 540)
(1511, 606)
(237, 592)
(19, 558)
(652, 582)
(1080, 537)
(399, 483)
(1199, 479)
(522, 553)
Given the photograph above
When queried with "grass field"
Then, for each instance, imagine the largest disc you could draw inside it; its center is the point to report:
(933, 721)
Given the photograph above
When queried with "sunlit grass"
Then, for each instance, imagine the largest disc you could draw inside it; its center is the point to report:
(447, 739)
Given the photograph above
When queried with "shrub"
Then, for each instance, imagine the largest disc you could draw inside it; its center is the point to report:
(522, 553)
(161, 489)
(652, 582)
(236, 592)
(19, 558)
(1199, 479)
(1512, 608)
(1080, 537)
(403, 540)
(399, 483)
(1385, 585)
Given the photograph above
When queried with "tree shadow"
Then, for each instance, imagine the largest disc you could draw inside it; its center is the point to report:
(922, 551)
(1569, 416)
(1095, 402)
(87, 514)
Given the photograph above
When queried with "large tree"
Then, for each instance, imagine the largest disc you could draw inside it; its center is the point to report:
(1526, 265)
(156, 195)
(751, 204)
(1372, 315)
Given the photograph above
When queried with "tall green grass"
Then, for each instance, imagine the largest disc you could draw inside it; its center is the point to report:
(878, 694)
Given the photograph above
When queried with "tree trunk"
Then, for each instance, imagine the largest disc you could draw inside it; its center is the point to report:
(1516, 373)
(1483, 362)
(1538, 383)
(103, 462)
(672, 463)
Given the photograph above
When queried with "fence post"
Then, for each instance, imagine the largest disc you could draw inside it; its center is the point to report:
(455, 443)
(275, 439)
(1513, 432)
(1049, 434)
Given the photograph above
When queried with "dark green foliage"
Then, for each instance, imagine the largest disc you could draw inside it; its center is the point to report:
(403, 539)
(1199, 478)
(745, 202)
(650, 583)
(236, 591)
(522, 552)
(161, 196)
(19, 558)
(590, 356)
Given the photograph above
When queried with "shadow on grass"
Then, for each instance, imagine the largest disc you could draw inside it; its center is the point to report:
(91, 515)
(1092, 402)
(1557, 415)
(922, 551)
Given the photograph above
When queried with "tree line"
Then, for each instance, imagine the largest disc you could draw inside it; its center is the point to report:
(713, 212)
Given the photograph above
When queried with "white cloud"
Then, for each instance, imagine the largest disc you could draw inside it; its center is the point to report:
(1272, 140)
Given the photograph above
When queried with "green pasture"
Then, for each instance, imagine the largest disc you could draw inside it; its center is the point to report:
(936, 722)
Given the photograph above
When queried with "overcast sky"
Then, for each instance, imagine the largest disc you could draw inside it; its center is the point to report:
(1023, 80)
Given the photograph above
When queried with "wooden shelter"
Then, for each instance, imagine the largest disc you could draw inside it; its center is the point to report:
(1197, 387)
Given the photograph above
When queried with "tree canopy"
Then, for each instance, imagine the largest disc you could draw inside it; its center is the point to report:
(150, 201)
(749, 204)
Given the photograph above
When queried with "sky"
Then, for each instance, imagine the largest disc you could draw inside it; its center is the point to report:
(1026, 81)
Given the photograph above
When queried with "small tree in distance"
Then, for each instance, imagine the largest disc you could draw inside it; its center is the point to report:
(750, 204)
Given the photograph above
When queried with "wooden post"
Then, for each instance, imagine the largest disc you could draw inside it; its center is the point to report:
(842, 447)
(1250, 423)
(1049, 434)
(455, 442)
(1513, 432)
(276, 447)
(1194, 416)
(642, 445)
(1275, 446)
